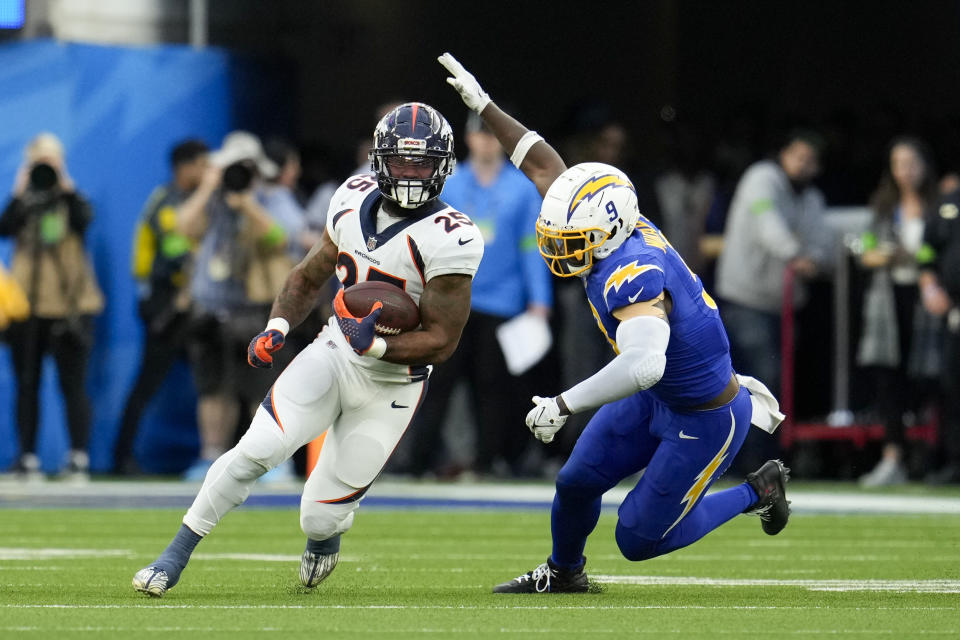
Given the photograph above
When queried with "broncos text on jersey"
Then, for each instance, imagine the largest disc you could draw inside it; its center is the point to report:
(433, 240)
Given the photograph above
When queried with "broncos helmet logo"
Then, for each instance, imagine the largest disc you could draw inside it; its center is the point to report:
(592, 187)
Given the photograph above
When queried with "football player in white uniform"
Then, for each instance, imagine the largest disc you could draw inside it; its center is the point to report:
(359, 389)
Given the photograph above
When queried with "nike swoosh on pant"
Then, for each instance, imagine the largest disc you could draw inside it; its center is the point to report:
(686, 437)
(399, 406)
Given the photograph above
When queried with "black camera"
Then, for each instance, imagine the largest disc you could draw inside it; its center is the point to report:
(43, 177)
(239, 176)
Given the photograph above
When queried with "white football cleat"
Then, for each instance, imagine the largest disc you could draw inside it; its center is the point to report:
(151, 581)
(314, 567)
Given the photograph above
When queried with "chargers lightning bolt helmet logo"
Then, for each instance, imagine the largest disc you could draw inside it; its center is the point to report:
(587, 213)
(593, 186)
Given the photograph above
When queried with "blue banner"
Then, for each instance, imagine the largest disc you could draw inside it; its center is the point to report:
(118, 111)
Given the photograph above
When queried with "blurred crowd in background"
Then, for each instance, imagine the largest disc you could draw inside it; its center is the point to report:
(217, 235)
(807, 173)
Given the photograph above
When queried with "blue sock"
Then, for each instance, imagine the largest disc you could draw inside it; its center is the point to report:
(324, 547)
(177, 554)
(754, 498)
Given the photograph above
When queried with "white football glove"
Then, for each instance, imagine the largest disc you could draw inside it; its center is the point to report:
(464, 82)
(544, 420)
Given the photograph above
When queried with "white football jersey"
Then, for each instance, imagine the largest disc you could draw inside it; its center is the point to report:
(435, 240)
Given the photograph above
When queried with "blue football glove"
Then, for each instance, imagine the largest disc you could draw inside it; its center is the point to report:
(259, 353)
(360, 332)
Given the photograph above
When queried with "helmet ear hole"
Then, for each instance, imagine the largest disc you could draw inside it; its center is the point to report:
(617, 226)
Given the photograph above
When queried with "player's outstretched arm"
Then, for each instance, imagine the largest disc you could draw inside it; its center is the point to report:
(305, 282)
(444, 308)
(530, 152)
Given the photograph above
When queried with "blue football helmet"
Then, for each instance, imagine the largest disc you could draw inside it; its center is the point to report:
(412, 154)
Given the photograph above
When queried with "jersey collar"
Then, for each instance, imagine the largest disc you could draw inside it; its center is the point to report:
(368, 219)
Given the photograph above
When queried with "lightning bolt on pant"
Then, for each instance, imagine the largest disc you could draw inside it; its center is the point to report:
(680, 453)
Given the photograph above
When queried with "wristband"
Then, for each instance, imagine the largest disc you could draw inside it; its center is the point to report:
(526, 141)
(377, 349)
(562, 406)
(279, 324)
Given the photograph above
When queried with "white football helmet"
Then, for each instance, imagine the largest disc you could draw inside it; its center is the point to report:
(588, 211)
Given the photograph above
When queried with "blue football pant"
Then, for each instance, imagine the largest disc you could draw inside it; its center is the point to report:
(683, 454)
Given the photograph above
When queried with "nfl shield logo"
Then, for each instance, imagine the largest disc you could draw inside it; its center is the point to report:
(371, 243)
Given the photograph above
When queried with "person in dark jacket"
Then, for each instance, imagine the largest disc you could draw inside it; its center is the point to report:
(940, 293)
(161, 264)
(47, 217)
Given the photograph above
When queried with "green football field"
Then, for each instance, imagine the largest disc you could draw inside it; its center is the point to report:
(65, 573)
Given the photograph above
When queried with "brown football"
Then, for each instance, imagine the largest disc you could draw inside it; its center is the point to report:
(400, 313)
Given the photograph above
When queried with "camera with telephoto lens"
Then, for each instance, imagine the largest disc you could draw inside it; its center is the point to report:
(239, 176)
(43, 177)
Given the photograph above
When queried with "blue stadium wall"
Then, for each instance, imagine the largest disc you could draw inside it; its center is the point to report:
(118, 111)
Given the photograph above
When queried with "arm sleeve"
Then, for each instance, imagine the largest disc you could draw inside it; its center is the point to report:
(819, 240)
(771, 232)
(536, 276)
(934, 239)
(13, 218)
(286, 212)
(639, 365)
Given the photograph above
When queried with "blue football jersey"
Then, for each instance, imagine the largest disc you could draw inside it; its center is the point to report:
(698, 354)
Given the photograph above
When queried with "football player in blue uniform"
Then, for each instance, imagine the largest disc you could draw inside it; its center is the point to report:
(670, 403)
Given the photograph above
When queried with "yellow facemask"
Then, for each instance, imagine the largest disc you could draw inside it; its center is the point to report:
(568, 253)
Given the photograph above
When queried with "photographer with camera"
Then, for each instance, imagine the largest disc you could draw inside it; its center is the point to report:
(47, 218)
(162, 262)
(241, 262)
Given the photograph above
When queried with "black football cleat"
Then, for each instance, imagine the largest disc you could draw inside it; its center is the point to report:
(769, 481)
(547, 578)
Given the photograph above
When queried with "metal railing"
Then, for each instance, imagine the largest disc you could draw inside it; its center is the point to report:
(840, 423)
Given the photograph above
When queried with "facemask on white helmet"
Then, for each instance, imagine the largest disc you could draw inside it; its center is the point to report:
(588, 212)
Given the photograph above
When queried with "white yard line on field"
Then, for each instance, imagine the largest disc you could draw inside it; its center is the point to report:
(46, 553)
(916, 586)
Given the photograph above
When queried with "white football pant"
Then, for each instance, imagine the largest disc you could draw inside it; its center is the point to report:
(320, 391)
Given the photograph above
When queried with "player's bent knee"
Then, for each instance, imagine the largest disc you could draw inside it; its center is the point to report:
(260, 444)
(243, 468)
(635, 547)
(579, 481)
(320, 521)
